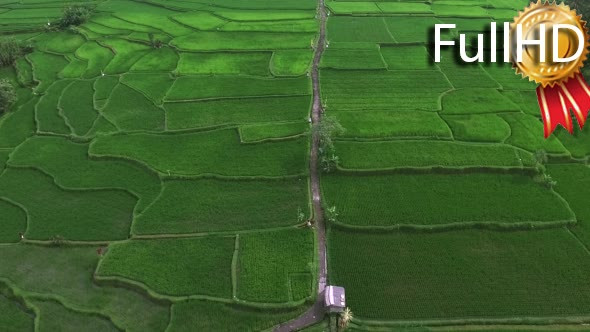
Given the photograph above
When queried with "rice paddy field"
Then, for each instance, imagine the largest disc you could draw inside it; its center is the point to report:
(155, 167)
(439, 163)
(155, 172)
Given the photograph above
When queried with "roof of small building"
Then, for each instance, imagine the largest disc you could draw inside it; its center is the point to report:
(334, 297)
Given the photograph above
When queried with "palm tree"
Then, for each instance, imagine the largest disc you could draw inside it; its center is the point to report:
(345, 318)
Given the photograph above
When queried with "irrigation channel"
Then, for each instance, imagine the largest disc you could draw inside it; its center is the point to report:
(315, 314)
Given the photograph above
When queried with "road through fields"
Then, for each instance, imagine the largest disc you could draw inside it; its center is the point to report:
(316, 313)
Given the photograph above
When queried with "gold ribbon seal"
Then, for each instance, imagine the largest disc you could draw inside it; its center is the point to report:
(549, 73)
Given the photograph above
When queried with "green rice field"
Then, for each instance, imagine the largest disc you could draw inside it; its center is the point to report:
(448, 209)
(157, 172)
(154, 168)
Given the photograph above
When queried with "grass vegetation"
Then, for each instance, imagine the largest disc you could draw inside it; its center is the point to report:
(437, 199)
(519, 274)
(402, 111)
(478, 127)
(571, 183)
(208, 113)
(379, 124)
(110, 72)
(13, 221)
(382, 90)
(11, 49)
(260, 132)
(275, 267)
(68, 163)
(192, 266)
(52, 313)
(14, 317)
(213, 316)
(232, 41)
(183, 154)
(217, 87)
(221, 205)
(99, 214)
(66, 274)
(158, 120)
(396, 154)
(130, 110)
(7, 95)
(15, 127)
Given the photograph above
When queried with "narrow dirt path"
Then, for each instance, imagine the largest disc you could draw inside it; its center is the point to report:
(315, 314)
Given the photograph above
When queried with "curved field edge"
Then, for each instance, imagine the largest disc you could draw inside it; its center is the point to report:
(238, 267)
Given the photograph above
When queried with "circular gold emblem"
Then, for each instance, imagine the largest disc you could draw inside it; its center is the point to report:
(548, 73)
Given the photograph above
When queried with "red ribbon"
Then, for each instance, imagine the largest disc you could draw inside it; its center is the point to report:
(557, 101)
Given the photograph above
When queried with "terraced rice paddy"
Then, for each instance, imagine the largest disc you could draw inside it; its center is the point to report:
(155, 172)
(439, 164)
(157, 187)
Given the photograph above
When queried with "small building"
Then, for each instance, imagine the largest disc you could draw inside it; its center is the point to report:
(334, 299)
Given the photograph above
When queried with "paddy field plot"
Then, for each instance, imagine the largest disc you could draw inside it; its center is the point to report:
(208, 113)
(438, 199)
(571, 184)
(365, 125)
(453, 271)
(402, 154)
(277, 254)
(208, 315)
(101, 214)
(211, 152)
(151, 261)
(223, 205)
(264, 267)
(52, 312)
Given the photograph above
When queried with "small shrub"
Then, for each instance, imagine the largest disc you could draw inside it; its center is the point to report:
(541, 160)
(546, 180)
(329, 163)
(12, 49)
(75, 15)
(7, 96)
(300, 216)
(332, 214)
(155, 43)
(58, 241)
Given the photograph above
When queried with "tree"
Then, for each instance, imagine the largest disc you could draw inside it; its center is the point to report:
(7, 96)
(11, 49)
(327, 129)
(329, 163)
(74, 16)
